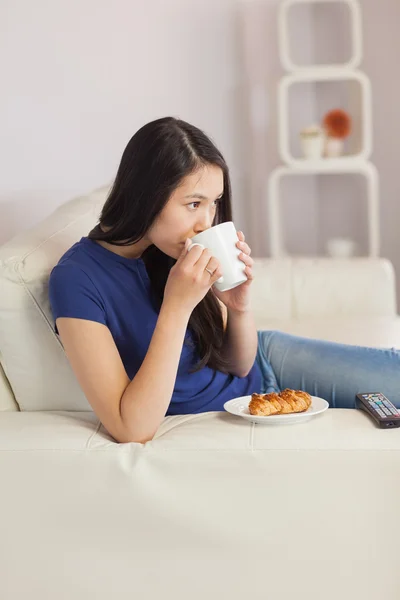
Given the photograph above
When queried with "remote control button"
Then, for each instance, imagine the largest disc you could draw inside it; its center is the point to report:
(392, 408)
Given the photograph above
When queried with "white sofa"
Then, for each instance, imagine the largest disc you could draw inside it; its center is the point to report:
(213, 506)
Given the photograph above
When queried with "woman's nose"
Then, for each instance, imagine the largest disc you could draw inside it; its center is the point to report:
(204, 223)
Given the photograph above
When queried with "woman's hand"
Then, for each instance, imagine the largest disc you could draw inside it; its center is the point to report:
(188, 281)
(238, 299)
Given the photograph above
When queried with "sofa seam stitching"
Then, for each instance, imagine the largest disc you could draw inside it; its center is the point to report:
(94, 433)
(252, 433)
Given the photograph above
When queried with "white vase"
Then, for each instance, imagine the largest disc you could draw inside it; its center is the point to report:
(333, 147)
(313, 146)
(341, 247)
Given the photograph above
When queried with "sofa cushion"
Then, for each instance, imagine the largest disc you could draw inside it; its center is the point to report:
(7, 399)
(321, 287)
(213, 507)
(32, 355)
(356, 287)
(271, 290)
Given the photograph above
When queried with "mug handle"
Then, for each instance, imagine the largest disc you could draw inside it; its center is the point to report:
(195, 244)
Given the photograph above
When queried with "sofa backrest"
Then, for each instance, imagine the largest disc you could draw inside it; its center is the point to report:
(322, 287)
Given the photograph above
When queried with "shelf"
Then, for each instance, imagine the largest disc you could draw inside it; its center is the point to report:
(344, 164)
(285, 34)
(358, 91)
(365, 168)
(325, 74)
(305, 95)
(329, 73)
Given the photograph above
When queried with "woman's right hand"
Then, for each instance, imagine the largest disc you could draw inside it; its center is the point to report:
(188, 281)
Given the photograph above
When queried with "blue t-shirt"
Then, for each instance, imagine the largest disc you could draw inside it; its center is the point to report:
(93, 283)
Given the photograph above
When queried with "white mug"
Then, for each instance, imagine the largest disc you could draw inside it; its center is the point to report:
(221, 240)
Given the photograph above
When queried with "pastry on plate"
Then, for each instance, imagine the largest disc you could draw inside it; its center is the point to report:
(264, 405)
(286, 402)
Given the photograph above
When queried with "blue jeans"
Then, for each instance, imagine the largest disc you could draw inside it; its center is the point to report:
(336, 372)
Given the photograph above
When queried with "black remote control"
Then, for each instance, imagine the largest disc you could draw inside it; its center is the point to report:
(384, 413)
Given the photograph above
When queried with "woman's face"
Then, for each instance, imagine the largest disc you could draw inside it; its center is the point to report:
(190, 210)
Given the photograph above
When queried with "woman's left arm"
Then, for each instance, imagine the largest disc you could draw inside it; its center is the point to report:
(240, 340)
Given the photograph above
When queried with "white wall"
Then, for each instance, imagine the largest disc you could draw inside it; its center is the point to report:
(79, 77)
(381, 57)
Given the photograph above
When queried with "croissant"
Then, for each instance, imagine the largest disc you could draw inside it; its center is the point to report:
(287, 401)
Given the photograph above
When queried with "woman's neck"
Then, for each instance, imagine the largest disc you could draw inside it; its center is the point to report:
(131, 251)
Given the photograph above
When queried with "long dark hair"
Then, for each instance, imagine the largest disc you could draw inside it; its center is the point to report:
(153, 164)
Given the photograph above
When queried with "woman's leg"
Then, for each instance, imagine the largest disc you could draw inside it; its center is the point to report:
(336, 372)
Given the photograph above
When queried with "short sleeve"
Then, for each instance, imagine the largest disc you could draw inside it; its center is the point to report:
(73, 294)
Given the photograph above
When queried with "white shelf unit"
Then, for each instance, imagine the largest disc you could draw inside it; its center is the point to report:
(284, 35)
(315, 76)
(365, 168)
(357, 163)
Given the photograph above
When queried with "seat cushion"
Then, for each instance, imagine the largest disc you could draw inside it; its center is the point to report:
(213, 507)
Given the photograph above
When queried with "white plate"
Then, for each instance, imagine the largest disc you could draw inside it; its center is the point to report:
(240, 408)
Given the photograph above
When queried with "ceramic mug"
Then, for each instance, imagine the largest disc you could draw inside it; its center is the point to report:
(221, 240)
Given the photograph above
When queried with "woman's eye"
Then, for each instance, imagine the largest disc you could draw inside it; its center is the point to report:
(216, 202)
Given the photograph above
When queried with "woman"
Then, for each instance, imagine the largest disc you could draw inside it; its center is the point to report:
(143, 328)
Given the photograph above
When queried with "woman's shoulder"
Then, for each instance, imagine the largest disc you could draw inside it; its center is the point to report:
(72, 270)
(73, 255)
(73, 291)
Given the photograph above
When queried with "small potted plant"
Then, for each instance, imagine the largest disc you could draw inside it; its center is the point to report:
(337, 126)
(312, 142)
